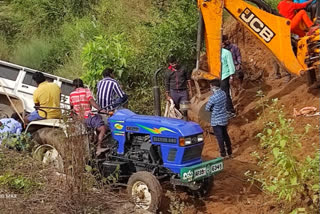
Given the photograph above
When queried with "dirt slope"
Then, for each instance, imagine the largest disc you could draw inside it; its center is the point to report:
(231, 193)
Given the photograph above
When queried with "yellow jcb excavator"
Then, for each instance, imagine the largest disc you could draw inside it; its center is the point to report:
(299, 57)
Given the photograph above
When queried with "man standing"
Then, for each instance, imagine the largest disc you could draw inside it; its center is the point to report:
(81, 101)
(227, 71)
(109, 92)
(219, 118)
(47, 94)
(236, 56)
(177, 81)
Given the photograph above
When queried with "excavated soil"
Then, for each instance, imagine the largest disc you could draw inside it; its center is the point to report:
(231, 192)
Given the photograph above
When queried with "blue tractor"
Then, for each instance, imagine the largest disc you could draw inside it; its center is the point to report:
(146, 150)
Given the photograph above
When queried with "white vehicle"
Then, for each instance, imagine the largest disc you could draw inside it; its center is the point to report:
(16, 95)
(16, 82)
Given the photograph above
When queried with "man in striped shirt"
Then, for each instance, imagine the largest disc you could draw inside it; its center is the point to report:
(81, 101)
(109, 92)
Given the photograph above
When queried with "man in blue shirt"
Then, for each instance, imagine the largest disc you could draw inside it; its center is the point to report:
(219, 117)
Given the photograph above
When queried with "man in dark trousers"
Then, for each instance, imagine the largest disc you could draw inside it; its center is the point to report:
(219, 117)
(177, 81)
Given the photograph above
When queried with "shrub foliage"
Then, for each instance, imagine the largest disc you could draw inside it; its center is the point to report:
(290, 178)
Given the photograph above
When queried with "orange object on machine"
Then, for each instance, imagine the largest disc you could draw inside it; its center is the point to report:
(287, 9)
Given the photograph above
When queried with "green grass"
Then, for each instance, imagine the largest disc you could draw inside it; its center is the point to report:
(32, 53)
(17, 183)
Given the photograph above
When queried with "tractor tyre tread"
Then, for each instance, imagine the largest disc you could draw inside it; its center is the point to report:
(153, 184)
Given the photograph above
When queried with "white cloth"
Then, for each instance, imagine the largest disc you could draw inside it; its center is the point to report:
(171, 111)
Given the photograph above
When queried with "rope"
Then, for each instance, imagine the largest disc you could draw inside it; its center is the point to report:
(15, 109)
(171, 111)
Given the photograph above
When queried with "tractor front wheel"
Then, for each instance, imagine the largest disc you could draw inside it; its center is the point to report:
(145, 190)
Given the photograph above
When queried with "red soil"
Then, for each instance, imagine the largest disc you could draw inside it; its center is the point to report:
(232, 193)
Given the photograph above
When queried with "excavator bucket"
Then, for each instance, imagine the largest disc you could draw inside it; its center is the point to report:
(197, 111)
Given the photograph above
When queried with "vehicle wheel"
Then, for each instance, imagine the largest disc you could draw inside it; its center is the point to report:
(51, 147)
(49, 155)
(203, 189)
(5, 111)
(145, 190)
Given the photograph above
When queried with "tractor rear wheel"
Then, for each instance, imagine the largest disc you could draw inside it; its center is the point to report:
(145, 190)
(51, 147)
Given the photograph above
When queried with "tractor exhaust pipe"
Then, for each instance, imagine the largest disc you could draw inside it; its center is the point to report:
(199, 39)
(156, 94)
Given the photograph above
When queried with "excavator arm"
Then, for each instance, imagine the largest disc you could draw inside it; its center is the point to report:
(272, 30)
(264, 23)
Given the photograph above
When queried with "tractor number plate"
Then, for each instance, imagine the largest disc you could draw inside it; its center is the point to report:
(200, 171)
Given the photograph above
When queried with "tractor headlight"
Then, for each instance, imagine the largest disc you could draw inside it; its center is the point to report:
(200, 138)
(185, 141)
(188, 141)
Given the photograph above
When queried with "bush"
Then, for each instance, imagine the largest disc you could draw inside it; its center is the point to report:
(138, 44)
(104, 52)
(175, 35)
(17, 183)
(72, 36)
(47, 15)
(72, 67)
(21, 142)
(40, 15)
(5, 49)
(77, 32)
(138, 38)
(10, 25)
(283, 174)
(33, 53)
